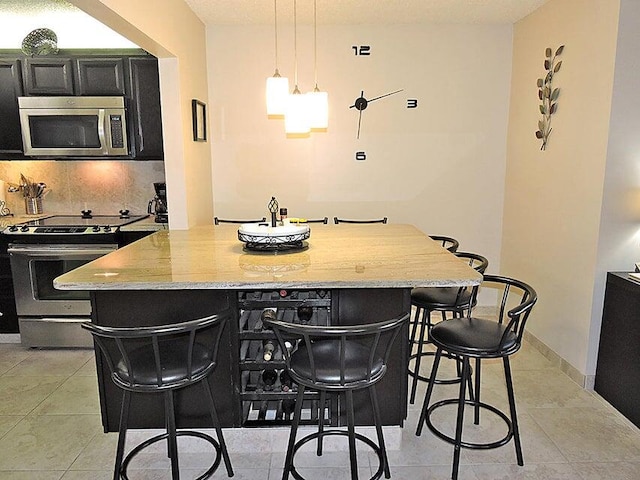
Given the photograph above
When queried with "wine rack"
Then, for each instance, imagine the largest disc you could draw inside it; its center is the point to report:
(266, 397)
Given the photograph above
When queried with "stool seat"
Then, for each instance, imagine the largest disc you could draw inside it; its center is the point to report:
(327, 364)
(144, 373)
(440, 297)
(474, 337)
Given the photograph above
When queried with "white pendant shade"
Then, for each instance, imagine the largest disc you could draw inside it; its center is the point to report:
(296, 118)
(318, 104)
(277, 95)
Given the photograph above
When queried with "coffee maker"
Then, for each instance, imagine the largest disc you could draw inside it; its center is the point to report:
(158, 206)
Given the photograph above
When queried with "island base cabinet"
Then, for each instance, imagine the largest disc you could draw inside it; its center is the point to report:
(242, 399)
(133, 308)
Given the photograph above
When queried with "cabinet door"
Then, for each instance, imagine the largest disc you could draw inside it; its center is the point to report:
(8, 315)
(145, 118)
(10, 90)
(48, 76)
(100, 76)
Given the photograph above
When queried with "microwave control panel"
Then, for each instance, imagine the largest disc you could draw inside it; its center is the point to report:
(117, 137)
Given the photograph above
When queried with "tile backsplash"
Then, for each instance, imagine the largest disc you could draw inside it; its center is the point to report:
(103, 186)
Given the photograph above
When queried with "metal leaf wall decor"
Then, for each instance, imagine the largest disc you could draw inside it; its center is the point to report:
(548, 95)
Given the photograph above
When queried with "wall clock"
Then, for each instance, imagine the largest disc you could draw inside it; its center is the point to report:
(362, 105)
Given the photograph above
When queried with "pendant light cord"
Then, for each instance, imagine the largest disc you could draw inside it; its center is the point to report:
(295, 48)
(315, 46)
(275, 21)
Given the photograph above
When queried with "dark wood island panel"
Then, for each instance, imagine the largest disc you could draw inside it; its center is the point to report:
(155, 307)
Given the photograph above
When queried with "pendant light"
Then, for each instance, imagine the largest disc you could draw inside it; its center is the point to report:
(277, 86)
(318, 101)
(296, 118)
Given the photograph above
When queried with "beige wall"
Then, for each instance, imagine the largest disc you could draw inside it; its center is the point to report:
(440, 166)
(172, 32)
(553, 198)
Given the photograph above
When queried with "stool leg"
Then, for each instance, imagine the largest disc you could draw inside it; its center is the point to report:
(414, 327)
(460, 420)
(171, 431)
(424, 327)
(476, 408)
(288, 461)
(427, 396)
(321, 407)
(512, 408)
(352, 435)
(122, 432)
(378, 422)
(216, 424)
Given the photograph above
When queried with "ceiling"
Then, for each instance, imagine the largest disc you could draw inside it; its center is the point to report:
(355, 12)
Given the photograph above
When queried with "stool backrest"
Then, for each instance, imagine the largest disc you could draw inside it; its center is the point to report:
(160, 357)
(515, 302)
(337, 220)
(480, 264)
(218, 221)
(449, 243)
(340, 342)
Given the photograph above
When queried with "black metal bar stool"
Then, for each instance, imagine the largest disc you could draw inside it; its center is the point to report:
(338, 359)
(454, 300)
(470, 337)
(160, 360)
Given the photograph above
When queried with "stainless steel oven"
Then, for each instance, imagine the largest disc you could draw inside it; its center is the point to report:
(50, 317)
(43, 249)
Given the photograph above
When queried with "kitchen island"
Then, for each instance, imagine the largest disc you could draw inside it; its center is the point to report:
(347, 274)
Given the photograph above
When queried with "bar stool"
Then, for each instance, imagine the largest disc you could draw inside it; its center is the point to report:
(454, 300)
(218, 221)
(337, 359)
(470, 337)
(160, 360)
(337, 220)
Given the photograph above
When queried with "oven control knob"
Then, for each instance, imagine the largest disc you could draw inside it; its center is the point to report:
(107, 228)
(24, 228)
(96, 229)
(13, 228)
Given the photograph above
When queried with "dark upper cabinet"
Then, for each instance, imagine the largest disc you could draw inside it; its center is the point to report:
(48, 76)
(145, 119)
(10, 90)
(100, 76)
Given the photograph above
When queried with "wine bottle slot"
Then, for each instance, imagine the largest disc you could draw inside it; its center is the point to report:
(268, 350)
(269, 378)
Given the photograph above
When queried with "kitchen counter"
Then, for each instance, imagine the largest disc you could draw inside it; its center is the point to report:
(212, 257)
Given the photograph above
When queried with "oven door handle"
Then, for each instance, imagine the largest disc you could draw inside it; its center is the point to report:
(60, 251)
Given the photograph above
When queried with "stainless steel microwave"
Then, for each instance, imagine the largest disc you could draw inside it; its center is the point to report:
(73, 126)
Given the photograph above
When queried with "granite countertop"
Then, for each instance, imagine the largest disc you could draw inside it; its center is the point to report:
(339, 256)
(145, 225)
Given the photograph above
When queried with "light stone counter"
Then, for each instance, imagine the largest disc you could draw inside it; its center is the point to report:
(212, 257)
(148, 224)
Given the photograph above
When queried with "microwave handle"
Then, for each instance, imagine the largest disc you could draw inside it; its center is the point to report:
(101, 131)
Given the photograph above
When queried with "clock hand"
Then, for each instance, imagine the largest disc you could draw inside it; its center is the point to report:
(360, 102)
(385, 95)
(359, 120)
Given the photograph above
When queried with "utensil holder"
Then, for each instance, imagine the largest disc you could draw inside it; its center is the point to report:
(33, 206)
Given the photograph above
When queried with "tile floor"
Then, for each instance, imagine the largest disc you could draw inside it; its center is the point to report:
(50, 430)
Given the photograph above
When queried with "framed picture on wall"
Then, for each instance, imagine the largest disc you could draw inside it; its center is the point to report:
(199, 114)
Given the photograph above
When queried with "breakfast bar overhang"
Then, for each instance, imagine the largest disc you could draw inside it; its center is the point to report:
(347, 274)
